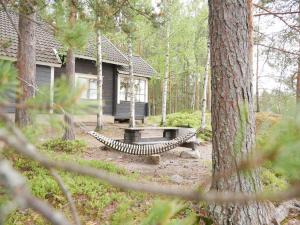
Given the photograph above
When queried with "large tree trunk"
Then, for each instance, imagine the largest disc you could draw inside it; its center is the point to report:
(131, 83)
(204, 99)
(26, 62)
(99, 82)
(232, 110)
(70, 73)
(165, 81)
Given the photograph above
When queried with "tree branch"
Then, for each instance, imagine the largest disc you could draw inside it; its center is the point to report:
(68, 195)
(15, 183)
(275, 13)
(22, 146)
(277, 16)
(277, 49)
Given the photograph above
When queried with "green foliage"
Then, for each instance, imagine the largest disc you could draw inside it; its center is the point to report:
(276, 101)
(8, 81)
(281, 145)
(190, 119)
(59, 145)
(93, 198)
(71, 35)
(185, 119)
(164, 213)
(272, 181)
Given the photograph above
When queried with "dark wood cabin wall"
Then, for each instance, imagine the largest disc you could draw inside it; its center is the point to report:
(43, 78)
(89, 67)
(123, 110)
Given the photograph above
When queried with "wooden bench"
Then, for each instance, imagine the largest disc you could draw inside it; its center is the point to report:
(134, 135)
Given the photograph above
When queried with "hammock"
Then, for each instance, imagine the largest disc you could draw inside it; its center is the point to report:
(140, 149)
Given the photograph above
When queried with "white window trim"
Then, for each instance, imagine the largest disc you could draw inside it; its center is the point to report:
(136, 77)
(88, 76)
(51, 89)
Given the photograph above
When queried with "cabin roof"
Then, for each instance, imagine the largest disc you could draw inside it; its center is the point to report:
(140, 67)
(45, 42)
(47, 46)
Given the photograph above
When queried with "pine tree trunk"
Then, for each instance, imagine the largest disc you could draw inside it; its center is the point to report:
(26, 62)
(131, 84)
(165, 81)
(232, 110)
(99, 126)
(70, 73)
(204, 98)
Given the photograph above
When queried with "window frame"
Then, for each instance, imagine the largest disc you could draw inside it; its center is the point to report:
(120, 77)
(88, 77)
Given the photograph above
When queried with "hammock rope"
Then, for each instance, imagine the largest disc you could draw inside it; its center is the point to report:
(132, 149)
(143, 149)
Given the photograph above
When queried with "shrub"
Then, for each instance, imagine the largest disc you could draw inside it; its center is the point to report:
(59, 145)
(272, 181)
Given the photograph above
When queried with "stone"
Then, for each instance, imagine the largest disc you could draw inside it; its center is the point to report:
(177, 179)
(190, 154)
(293, 222)
(153, 159)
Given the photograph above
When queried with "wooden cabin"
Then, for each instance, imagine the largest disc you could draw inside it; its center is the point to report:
(49, 67)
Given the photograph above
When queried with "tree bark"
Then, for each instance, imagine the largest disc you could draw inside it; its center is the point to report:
(204, 99)
(131, 83)
(26, 62)
(70, 73)
(233, 125)
(165, 81)
(99, 126)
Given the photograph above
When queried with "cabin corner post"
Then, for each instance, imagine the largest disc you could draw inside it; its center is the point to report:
(51, 90)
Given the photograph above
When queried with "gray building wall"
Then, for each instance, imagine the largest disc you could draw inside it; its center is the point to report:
(110, 106)
(43, 78)
(123, 110)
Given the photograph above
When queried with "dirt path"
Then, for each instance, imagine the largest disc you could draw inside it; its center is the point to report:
(172, 169)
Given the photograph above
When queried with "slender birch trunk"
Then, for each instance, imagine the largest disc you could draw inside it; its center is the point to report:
(205, 83)
(195, 79)
(298, 72)
(165, 81)
(99, 126)
(233, 119)
(70, 73)
(256, 80)
(26, 62)
(208, 97)
(131, 83)
(257, 75)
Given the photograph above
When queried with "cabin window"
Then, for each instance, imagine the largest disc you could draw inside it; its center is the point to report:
(90, 86)
(140, 87)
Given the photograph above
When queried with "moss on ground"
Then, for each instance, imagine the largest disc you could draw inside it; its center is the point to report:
(97, 202)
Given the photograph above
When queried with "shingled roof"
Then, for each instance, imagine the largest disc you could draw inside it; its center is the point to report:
(47, 45)
(140, 67)
(110, 53)
(45, 42)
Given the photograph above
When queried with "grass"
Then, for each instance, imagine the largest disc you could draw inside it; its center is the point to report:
(97, 202)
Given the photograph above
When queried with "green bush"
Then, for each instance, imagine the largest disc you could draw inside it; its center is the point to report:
(59, 145)
(272, 181)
